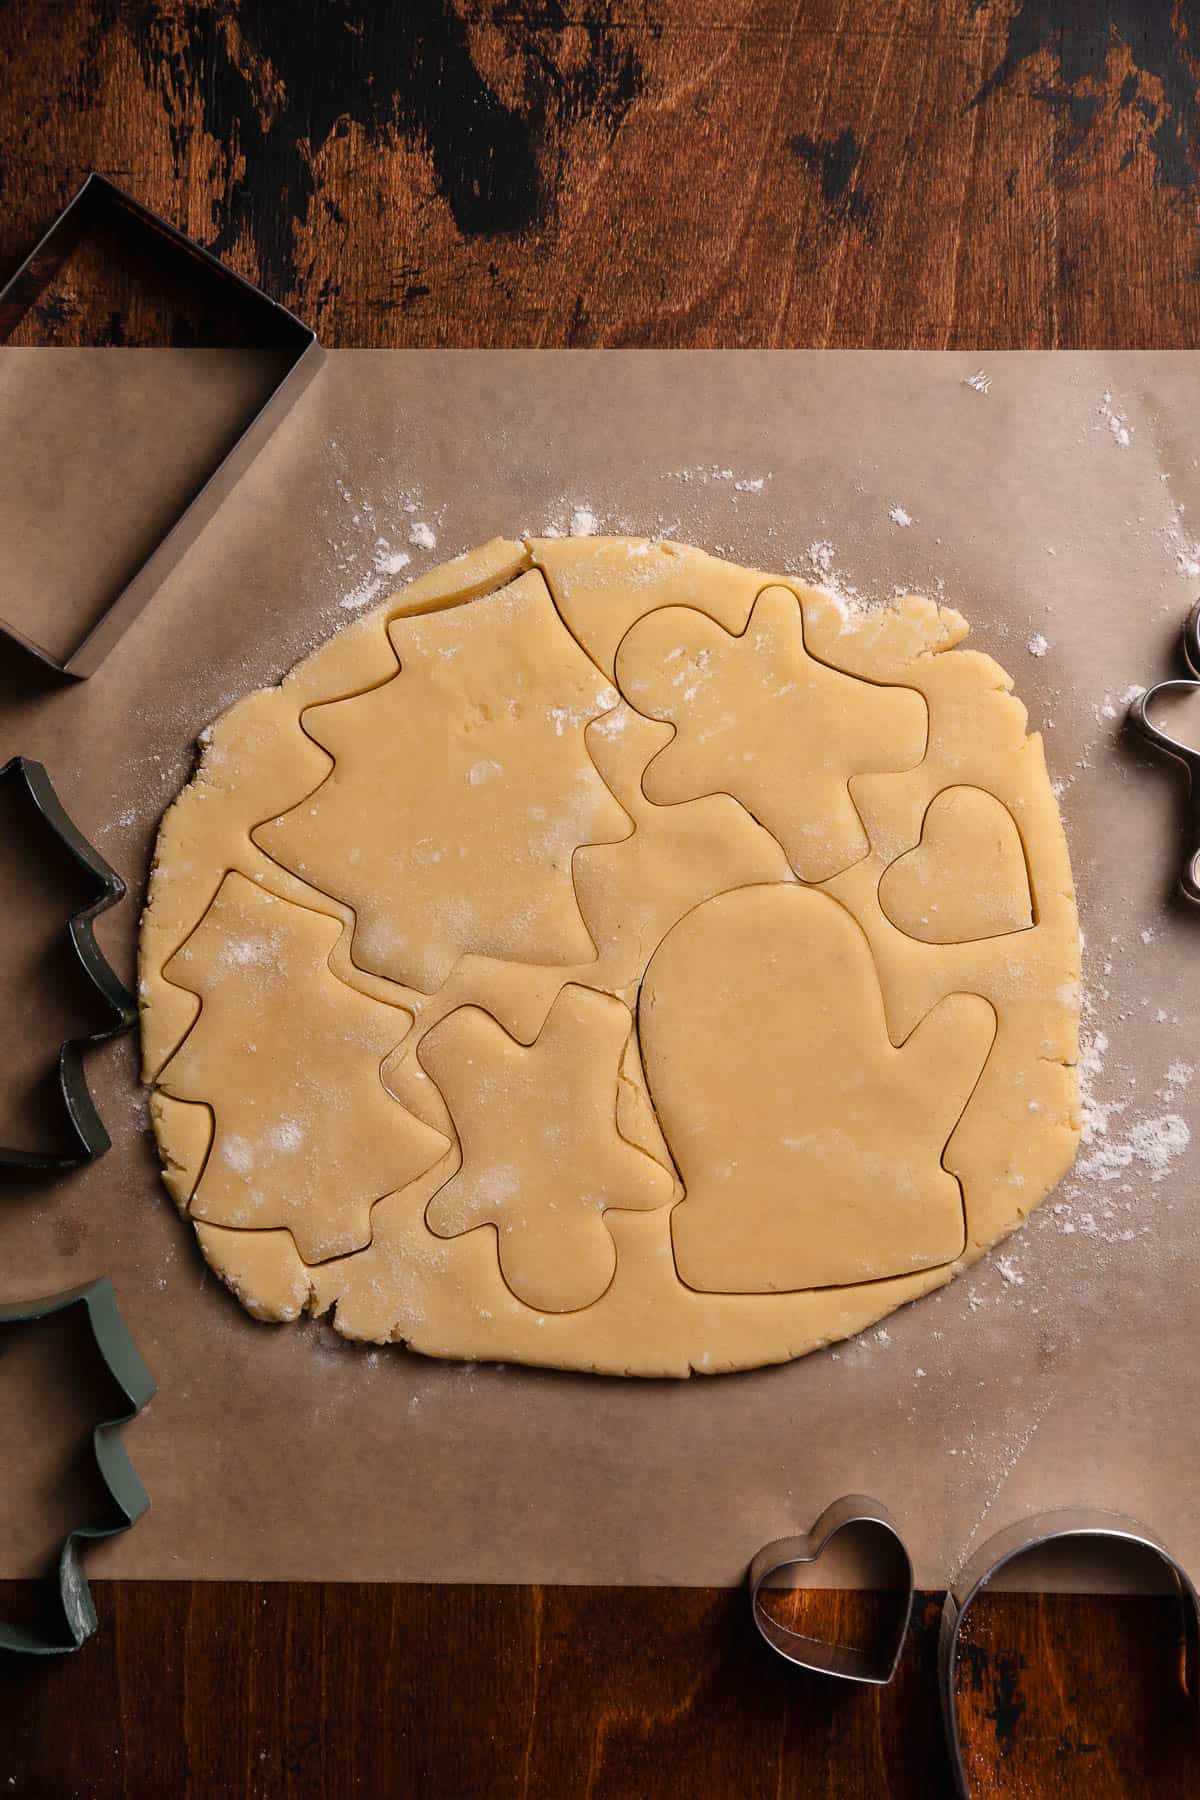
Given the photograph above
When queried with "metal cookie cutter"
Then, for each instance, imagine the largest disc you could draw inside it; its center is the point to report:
(1031, 1534)
(76, 1614)
(86, 1126)
(874, 1666)
(101, 200)
(1139, 718)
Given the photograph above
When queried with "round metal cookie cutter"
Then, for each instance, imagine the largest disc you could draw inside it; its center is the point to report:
(1031, 1534)
(873, 1665)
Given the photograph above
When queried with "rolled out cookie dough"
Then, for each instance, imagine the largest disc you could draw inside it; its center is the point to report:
(608, 957)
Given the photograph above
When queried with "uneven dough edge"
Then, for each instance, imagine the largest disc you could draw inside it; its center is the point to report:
(692, 1332)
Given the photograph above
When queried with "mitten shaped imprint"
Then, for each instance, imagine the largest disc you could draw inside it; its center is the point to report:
(759, 718)
(966, 880)
(288, 1058)
(542, 1159)
(809, 1145)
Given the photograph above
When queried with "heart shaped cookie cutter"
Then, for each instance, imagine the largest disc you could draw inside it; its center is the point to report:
(1106, 1530)
(873, 1665)
(1143, 724)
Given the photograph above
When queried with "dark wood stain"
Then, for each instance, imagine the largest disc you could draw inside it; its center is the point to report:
(836, 162)
(924, 173)
(1162, 37)
(408, 70)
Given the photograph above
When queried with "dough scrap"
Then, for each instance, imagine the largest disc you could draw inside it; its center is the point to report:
(758, 717)
(819, 1162)
(966, 879)
(624, 878)
(542, 1158)
(632, 892)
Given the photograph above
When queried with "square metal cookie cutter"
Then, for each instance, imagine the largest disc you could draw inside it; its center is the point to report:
(97, 200)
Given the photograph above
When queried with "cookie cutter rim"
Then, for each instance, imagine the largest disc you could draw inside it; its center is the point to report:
(84, 1122)
(288, 332)
(1007, 1546)
(846, 1662)
(1162, 741)
(119, 1354)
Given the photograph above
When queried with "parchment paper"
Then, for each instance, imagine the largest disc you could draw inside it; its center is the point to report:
(1053, 509)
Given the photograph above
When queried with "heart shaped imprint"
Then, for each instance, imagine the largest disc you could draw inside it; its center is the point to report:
(810, 1147)
(966, 879)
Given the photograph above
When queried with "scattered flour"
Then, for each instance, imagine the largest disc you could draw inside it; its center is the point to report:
(237, 1153)
(1037, 645)
(1183, 550)
(820, 556)
(286, 1136)
(422, 535)
(981, 381)
(898, 516)
(568, 517)
(702, 472)
(1121, 430)
(818, 567)
(362, 593)
(390, 562)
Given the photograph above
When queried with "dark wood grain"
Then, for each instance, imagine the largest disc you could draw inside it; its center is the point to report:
(912, 173)
(200, 1689)
(926, 173)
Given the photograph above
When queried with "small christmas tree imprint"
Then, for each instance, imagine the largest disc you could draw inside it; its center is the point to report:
(287, 1056)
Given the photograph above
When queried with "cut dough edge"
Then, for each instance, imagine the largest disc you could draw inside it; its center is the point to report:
(627, 1090)
(354, 660)
(940, 801)
(736, 632)
(322, 1292)
(186, 1131)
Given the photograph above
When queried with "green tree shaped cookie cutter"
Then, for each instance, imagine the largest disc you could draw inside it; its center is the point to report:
(89, 1138)
(73, 1618)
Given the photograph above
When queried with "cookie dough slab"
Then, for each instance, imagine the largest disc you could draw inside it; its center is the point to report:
(448, 1296)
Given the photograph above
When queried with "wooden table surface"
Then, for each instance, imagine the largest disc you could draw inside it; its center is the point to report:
(921, 173)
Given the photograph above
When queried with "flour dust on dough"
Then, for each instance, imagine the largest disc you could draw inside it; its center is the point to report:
(607, 957)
